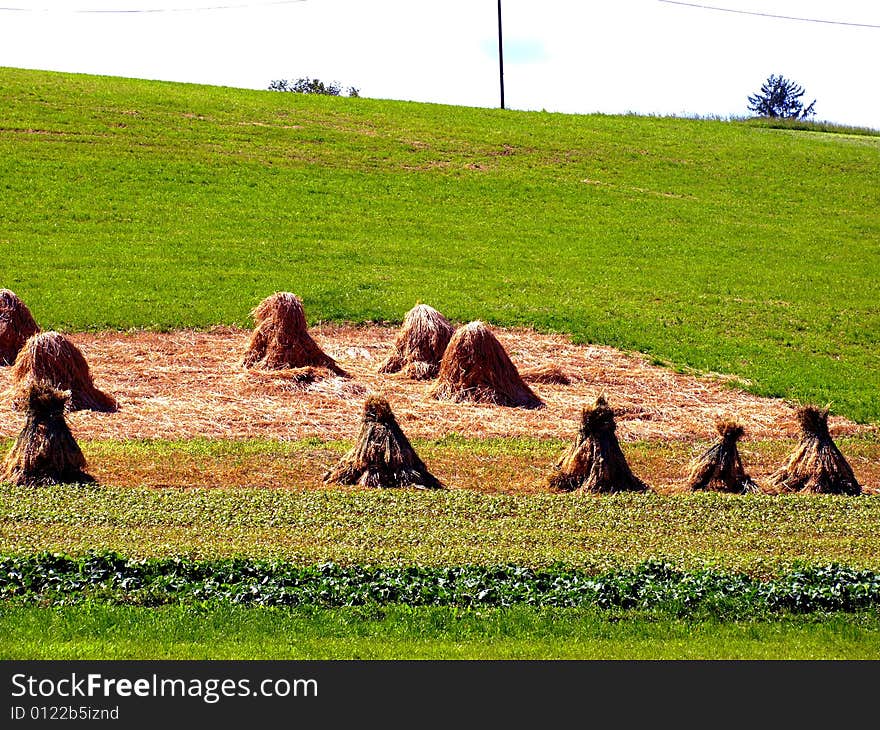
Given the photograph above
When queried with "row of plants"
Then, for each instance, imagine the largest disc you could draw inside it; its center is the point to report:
(61, 579)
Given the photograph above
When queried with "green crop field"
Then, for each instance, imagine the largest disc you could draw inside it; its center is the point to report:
(712, 246)
(758, 534)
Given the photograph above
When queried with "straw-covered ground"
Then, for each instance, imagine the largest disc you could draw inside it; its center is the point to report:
(190, 384)
(190, 415)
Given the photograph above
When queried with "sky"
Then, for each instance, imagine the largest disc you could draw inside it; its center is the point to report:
(616, 56)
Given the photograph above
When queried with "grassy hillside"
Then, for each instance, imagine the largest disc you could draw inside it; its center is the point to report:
(711, 245)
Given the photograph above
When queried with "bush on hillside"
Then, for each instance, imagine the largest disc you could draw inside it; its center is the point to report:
(306, 85)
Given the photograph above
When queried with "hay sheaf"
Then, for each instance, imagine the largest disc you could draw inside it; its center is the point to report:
(816, 466)
(382, 456)
(16, 326)
(719, 468)
(476, 368)
(595, 462)
(45, 451)
(420, 344)
(50, 358)
(281, 339)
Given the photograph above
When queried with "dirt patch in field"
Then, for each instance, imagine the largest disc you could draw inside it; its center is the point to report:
(188, 384)
(663, 465)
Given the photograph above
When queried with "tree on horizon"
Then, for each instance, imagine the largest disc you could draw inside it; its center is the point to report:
(780, 98)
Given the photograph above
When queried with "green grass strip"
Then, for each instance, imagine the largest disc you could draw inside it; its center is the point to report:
(223, 631)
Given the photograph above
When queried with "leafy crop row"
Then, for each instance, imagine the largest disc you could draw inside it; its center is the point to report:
(111, 577)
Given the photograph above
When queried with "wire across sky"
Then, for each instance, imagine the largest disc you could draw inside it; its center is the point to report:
(769, 15)
(265, 3)
(134, 11)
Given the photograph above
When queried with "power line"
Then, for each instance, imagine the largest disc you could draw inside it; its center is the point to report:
(153, 10)
(769, 15)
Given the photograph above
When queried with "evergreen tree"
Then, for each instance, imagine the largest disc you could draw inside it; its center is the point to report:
(780, 98)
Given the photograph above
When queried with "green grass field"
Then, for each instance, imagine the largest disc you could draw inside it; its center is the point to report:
(401, 632)
(716, 246)
(711, 245)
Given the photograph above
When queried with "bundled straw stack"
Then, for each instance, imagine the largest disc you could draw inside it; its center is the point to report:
(719, 468)
(420, 344)
(281, 339)
(476, 368)
(45, 451)
(595, 461)
(816, 466)
(16, 325)
(50, 358)
(382, 455)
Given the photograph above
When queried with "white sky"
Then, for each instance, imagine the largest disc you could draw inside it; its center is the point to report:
(642, 56)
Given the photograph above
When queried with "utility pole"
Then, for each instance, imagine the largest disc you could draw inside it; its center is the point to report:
(500, 56)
